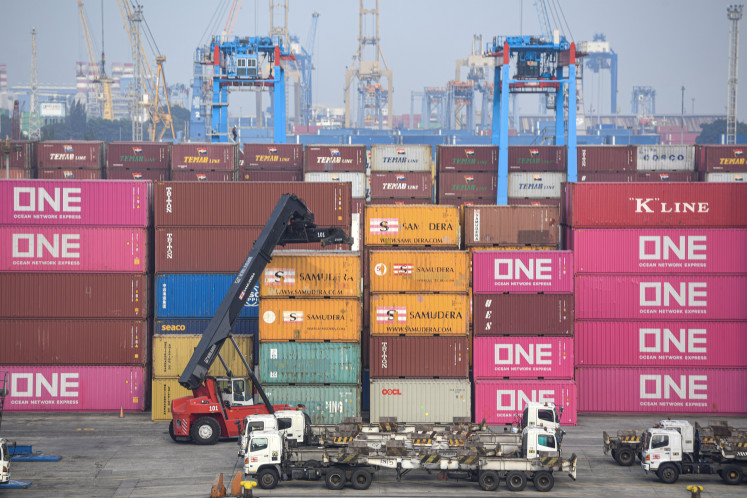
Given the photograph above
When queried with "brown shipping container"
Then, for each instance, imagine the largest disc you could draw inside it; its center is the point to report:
(523, 314)
(419, 314)
(225, 204)
(412, 225)
(721, 158)
(419, 271)
(311, 274)
(73, 342)
(391, 185)
(638, 176)
(74, 295)
(20, 153)
(156, 175)
(358, 205)
(273, 156)
(460, 158)
(533, 202)
(138, 155)
(204, 156)
(467, 185)
(256, 175)
(69, 174)
(419, 357)
(72, 154)
(537, 158)
(17, 174)
(198, 175)
(394, 201)
(459, 201)
(596, 158)
(335, 158)
(171, 353)
(511, 225)
(310, 320)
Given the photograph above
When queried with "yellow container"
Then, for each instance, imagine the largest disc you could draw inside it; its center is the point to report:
(310, 320)
(312, 274)
(419, 314)
(171, 353)
(163, 391)
(412, 225)
(419, 271)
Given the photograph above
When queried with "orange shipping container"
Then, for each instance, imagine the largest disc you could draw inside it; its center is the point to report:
(312, 274)
(312, 320)
(172, 352)
(419, 314)
(419, 271)
(412, 225)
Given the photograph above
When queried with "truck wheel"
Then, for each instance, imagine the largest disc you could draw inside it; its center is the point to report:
(489, 480)
(668, 473)
(543, 481)
(732, 474)
(267, 478)
(205, 431)
(516, 481)
(171, 431)
(361, 479)
(335, 478)
(625, 457)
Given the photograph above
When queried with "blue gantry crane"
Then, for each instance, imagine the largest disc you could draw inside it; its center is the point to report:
(598, 56)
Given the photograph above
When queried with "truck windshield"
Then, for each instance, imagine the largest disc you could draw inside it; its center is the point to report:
(546, 415)
(258, 443)
(659, 441)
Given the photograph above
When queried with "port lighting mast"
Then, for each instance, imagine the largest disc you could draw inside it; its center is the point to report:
(734, 13)
(34, 120)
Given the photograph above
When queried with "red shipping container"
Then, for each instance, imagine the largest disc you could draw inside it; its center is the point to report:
(335, 158)
(537, 158)
(273, 157)
(197, 175)
(522, 314)
(138, 155)
(718, 158)
(460, 158)
(605, 158)
(419, 357)
(204, 156)
(662, 390)
(59, 249)
(532, 202)
(358, 205)
(523, 358)
(75, 154)
(550, 272)
(499, 401)
(467, 185)
(76, 388)
(16, 174)
(672, 344)
(661, 297)
(637, 176)
(252, 175)
(20, 155)
(392, 185)
(400, 201)
(69, 174)
(154, 175)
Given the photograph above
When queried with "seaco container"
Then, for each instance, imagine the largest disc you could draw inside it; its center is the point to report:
(312, 274)
(666, 158)
(523, 314)
(719, 158)
(523, 358)
(204, 157)
(191, 295)
(401, 158)
(661, 297)
(76, 388)
(242, 326)
(79, 203)
(460, 158)
(325, 405)
(662, 390)
(605, 158)
(511, 225)
(522, 271)
(171, 353)
(535, 158)
(138, 155)
(660, 250)
(535, 185)
(419, 357)
(671, 344)
(638, 176)
(357, 180)
(499, 401)
(72, 154)
(62, 249)
(163, 391)
(419, 314)
(310, 363)
(420, 400)
(331, 320)
(388, 185)
(288, 157)
(412, 225)
(419, 271)
(335, 158)
(74, 342)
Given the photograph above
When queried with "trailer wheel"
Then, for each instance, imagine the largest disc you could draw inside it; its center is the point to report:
(489, 480)
(516, 481)
(732, 474)
(625, 457)
(268, 478)
(205, 431)
(361, 479)
(335, 478)
(543, 481)
(668, 473)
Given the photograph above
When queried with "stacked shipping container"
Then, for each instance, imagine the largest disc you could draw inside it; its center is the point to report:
(73, 160)
(467, 174)
(535, 174)
(402, 174)
(642, 163)
(213, 162)
(138, 161)
(721, 163)
(271, 163)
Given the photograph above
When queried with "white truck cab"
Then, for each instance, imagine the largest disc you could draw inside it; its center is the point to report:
(4, 462)
(293, 425)
(539, 441)
(542, 415)
(666, 442)
(264, 448)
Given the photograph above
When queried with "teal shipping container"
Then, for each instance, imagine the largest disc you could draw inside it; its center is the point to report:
(324, 404)
(310, 363)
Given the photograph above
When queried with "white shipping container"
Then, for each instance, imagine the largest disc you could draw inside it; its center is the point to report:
(666, 158)
(420, 400)
(357, 179)
(726, 177)
(541, 185)
(401, 158)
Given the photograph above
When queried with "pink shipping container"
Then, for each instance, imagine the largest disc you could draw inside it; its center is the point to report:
(198, 175)
(273, 156)
(660, 250)
(335, 158)
(70, 154)
(718, 158)
(550, 272)
(673, 344)
(84, 203)
(534, 158)
(661, 297)
(96, 250)
(204, 156)
(155, 175)
(138, 155)
(605, 158)
(662, 390)
(523, 358)
(460, 158)
(499, 401)
(69, 174)
(76, 388)
(392, 185)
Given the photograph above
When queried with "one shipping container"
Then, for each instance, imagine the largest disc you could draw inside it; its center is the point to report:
(720, 158)
(460, 158)
(401, 158)
(388, 185)
(605, 158)
(204, 156)
(534, 158)
(357, 180)
(535, 185)
(666, 158)
(163, 392)
(70, 174)
(419, 357)
(420, 400)
(325, 404)
(412, 225)
(419, 314)
(511, 225)
(190, 295)
(499, 401)
(304, 320)
(522, 271)
(171, 353)
(312, 274)
(419, 271)
(72, 154)
(335, 158)
(310, 363)
(523, 314)
(273, 156)
(523, 358)
(138, 155)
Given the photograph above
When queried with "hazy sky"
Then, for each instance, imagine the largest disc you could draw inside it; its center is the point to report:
(661, 43)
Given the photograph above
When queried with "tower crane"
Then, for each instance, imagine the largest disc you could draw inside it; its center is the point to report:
(104, 94)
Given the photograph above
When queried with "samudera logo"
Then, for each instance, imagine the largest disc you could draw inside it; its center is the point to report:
(384, 225)
(655, 205)
(280, 276)
(293, 316)
(387, 314)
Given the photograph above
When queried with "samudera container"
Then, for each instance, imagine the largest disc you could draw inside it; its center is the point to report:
(412, 225)
(661, 297)
(419, 357)
(62, 249)
(666, 158)
(312, 274)
(71, 154)
(469, 185)
(334, 320)
(522, 271)
(74, 295)
(420, 400)
(163, 391)
(511, 225)
(638, 176)
(75, 388)
(500, 401)
(138, 155)
(458, 158)
(273, 157)
(401, 158)
(310, 363)
(73, 342)
(535, 158)
(410, 185)
(419, 314)
(174, 203)
(523, 358)
(204, 156)
(79, 203)
(191, 295)
(718, 158)
(662, 390)
(523, 314)
(419, 271)
(535, 185)
(357, 180)
(613, 158)
(673, 344)
(324, 404)
(335, 158)
(660, 250)
(171, 353)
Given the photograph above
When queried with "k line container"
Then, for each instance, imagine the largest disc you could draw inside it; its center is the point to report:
(389, 185)
(74, 295)
(661, 297)
(666, 158)
(412, 225)
(606, 158)
(357, 180)
(672, 344)
(522, 271)
(420, 400)
(312, 274)
(468, 185)
(419, 357)
(163, 391)
(84, 203)
(660, 251)
(138, 155)
(638, 176)
(335, 158)
(171, 353)
(498, 401)
(192, 295)
(419, 271)
(726, 177)
(523, 314)
(61, 249)
(71, 154)
(273, 156)
(156, 175)
(460, 158)
(419, 314)
(69, 174)
(535, 185)
(198, 175)
(720, 158)
(75, 388)
(20, 155)
(74, 342)
(523, 358)
(247, 175)
(511, 225)
(204, 156)
(304, 320)
(401, 158)
(324, 404)
(310, 363)
(535, 158)
(662, 390)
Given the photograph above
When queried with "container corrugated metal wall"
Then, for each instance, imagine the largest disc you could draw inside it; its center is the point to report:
(312, 274)
(335, 158)
(272, 156)
(535, 185)
(401, 158)
(171, 353)
(310, 363)
(420, 400)
(534, 158)
(20, 154)
(79, 154)
(523, 358)
(717, 158)
(388, 185)
(258, 175)
(511, 225)
(419, 357)
(419, 271)
(204, 156)
(70, 174)
(324, 404)
(523, 314)
(358, 180)
(666, 158)
(412, 225)
(163, 391)
(419, 314)
(200, 175)
(467, 158)
(335, 320)
(638, 176)
(469, 185)
(498, 401)
(726, 177)
(613, 158)
(522, 271)
(138, 155)
(197, 295)
(156, 175)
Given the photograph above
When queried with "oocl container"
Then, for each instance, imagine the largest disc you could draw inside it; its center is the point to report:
(535, 185)
(312, 274)
(412, 225)
(410, 185)
(139, 155)
(324, 404)
(523, 358)
(76, 154)
(401, 158)
(459, 158)
(666, 158)
(523, 314)
(419, 357)
(420, 400)
(310, 363)
(606, 158)
(419, 271)
(335, 158)
(499, 401)
(419, 314)
(191, 295)
(303, 320)
(204, 156)
(358, 180)
(273, 156)
(522, 271)
(171, 353)
(511, 225)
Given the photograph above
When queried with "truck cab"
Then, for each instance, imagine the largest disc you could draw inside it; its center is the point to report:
(4, 462)
(538, 442)
(541, 415)
(293, 425)
(662, 445)
(265, 450)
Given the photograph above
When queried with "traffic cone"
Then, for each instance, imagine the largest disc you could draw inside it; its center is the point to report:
(121, 412)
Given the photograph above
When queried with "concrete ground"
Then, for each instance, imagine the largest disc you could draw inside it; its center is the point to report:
(107, 456)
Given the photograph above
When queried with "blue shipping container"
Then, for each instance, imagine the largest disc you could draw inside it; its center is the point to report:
(310, 363)
(187, 295)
